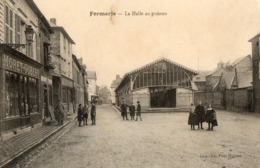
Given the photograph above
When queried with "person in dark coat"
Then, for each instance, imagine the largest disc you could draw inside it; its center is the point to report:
(124, 111)
(85, 114)
(138, 111)
(93, 113)
(80, 115)
(59, 113)
(132, 111)
(193, 118)
(211, 118)
(200, 111)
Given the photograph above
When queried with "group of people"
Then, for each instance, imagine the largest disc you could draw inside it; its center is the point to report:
(132, 110)
(198, 115)
(83, 114)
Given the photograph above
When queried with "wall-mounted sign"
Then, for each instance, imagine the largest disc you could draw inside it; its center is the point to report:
(19, 66)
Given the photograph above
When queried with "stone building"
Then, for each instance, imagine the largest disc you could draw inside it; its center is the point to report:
(61, 49)
(20, 68)
(113, 86)
(228, 86)
(104, 96)
(92, 85)
(160, 84)
(256, 71)
(79, 73)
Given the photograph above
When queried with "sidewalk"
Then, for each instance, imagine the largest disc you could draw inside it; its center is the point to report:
(20, 144)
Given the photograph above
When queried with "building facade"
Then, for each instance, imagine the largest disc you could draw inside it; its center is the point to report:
(92, 85)
(228, 86)
(113, 86)
(104, 96)
(160, 84)
(20, 68)
(61, 50)
(256, 71)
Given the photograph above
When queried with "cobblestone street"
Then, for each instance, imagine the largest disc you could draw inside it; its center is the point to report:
(160, 140)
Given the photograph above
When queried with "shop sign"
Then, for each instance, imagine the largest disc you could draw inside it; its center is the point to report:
(67, 82)
(46, 80)
(20, 67)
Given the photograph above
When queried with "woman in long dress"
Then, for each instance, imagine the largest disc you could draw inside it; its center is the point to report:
(211, 118)
(193, 118)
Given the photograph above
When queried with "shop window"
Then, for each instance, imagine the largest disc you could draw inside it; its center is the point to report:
(21, 95)
(12, 107)
(32, 95)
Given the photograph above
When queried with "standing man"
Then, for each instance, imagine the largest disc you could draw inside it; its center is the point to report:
(85, 114)
(200, 111)
(93, 113)
(138, 111)
(132, 111)
(124, 111)
(80, 115)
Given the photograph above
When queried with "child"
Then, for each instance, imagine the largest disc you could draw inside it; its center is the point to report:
(193, 118)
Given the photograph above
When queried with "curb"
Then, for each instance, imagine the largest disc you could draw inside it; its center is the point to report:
(9, 162)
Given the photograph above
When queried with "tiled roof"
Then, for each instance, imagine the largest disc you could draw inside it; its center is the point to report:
(228, 77)
(237, 61)
(244, 79)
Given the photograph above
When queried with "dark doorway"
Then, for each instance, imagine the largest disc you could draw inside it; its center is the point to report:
(163, 97)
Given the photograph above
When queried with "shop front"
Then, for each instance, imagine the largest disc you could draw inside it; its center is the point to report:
(67, 94)
(19, 97)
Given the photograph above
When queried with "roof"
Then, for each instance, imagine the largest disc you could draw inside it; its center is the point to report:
(91, 75)
(38, 12)
(76, 61)
(152, 63)
(60, 28)
(159, 60)
(228, 77)
(237, 61)
(214, 71)
(245, 79)
(250, 40)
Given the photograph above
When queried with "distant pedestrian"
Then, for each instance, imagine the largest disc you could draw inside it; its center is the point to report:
(132, 111)
(80, 115)
(138, 111)
(200, 111)
(85, 114)
(211, 118)
(193, 118)
(93, 113)
(124, 111)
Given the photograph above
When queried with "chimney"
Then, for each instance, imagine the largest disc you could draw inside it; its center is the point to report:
(53, 20)
(117, 76)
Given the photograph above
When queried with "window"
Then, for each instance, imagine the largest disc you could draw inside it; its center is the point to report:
(50, 95)
(64, 95)
(21, 95)
(12, 98)
(64, 39)
(46, 53)
(17, 29)
(8, 25)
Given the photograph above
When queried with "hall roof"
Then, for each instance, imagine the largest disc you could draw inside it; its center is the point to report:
(157, 61)
(153, 63)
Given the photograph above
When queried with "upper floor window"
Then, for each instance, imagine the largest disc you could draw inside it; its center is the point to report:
(17, 29)
(64, 44)
(8, 25)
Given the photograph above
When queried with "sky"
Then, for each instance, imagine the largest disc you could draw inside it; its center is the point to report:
(194, 33)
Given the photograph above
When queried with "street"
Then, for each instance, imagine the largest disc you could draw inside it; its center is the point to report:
(160, 140)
